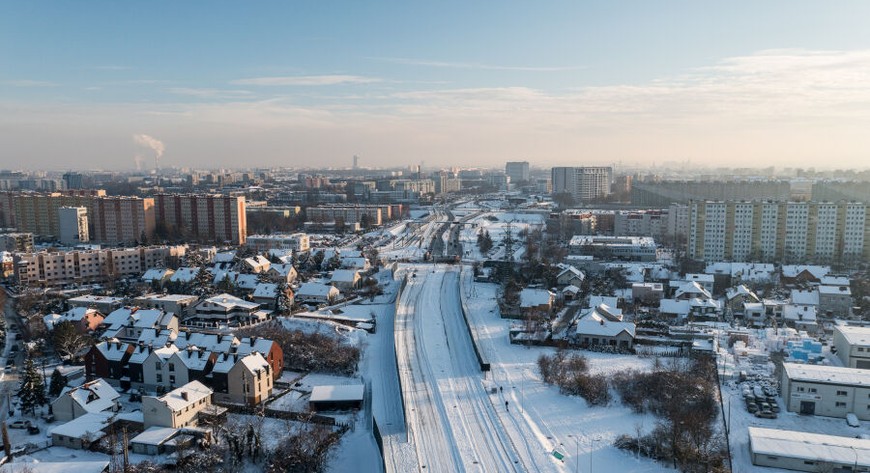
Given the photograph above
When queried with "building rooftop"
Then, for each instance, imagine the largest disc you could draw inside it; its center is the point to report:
(855, 335)
(810, 447)
(827, 374)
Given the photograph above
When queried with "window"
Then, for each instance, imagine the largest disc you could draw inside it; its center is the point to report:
(801, 389)
(159, 378)
(842, 393)
(841, 404)
(171, 366)
(814, 390)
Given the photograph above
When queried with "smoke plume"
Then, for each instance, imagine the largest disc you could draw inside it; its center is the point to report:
(147, 141)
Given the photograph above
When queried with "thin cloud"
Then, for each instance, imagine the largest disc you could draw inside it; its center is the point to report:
(30, 83)
(473, 66)
(335, 79)
(209, 93)
(112, 68)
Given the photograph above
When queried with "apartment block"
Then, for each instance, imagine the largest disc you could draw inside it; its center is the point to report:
(347, 213)
(518, 171)
(203, 217)
(778, 231)
(60, 268)
(583, 183)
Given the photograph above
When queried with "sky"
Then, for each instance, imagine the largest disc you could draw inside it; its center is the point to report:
(447, 83)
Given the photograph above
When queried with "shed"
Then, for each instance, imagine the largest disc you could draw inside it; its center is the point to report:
(336, 398)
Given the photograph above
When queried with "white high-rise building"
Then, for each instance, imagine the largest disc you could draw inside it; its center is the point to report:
(778, 231)
(517, 171)
(583, 183)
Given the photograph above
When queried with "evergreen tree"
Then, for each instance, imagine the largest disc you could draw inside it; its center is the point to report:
(31, 392)
(57, 383)
(285, 305)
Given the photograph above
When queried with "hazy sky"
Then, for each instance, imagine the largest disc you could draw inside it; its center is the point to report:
(309, 83)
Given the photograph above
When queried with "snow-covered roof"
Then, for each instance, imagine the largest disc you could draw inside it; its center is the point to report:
(194, 391)
(827, 374)
(858, 336)
(83, 466)
(354, 262)
(282, 269)
(246, 281)
(193, 358)
(344, 275)
(835, 281)
(230, 302)
(350, 392)
(792, 270)
(531, 297)
(692, 287)
(157, 274)
(88, 426)
(75, 315)
(141, 318)
(258, 262)
(740, 290)
(572, 271)
(810, 447)
(835, 290)
(571, 289)
(708, 278)
(808, 297)
(597, 299)
(112, 349)
(93, 396)
(92, 299)
(672, 306)
(266, 290)
(596, 322)
(315, 289)
(250, 345)
(253, 362)
(224, 257)
(184, 274)
(206, 341)
(154, 436)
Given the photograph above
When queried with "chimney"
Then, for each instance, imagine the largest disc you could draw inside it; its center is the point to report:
(184, 395)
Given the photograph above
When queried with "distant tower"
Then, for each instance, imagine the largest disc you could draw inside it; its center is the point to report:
(355, 162)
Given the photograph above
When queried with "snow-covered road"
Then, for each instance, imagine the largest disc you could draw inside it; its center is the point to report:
(452, 420)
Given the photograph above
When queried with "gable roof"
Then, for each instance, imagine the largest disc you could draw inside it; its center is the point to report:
(597, 322)
(184, 275)
(315, 289)
(195, 392)
(93, 396)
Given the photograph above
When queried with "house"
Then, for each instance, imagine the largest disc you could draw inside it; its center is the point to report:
(228, 309)
(853, 346)
(193, 364)
(184, 275)
(128, 323)
(85, 320)
(284, 272)
(754, 314)
(570, 276)
(835, 301)
(797, 273)
(691, 290)
(826, 390)
(350, 262)
(216, 342)
(108, 360)
(182, 304)
(804, 451)
(536, 301)
(647, 292)
(84, 466)
(570, 292)
(242, 379)
(800, 317)
(257, 264)
(268, 349)
(81, 432)
(157, 372)
(602, 326)
(737, 297)
(336, 398)
(704, 280)
(316, 293)
(177, 408)
(104, 304)
(158, 440)
(91, 397)
(266, 294)
(346, 280)
(157, 276)
(805, 297)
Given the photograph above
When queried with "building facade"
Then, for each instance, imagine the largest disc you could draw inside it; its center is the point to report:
(517, 171)
(778, 231)
(73, 225)
(826, 390)
(583, 183)
(203, 217)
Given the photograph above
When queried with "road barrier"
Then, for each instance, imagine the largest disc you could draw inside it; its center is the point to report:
(481, 358)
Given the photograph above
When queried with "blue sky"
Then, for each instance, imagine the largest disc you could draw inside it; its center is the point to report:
(312, 83)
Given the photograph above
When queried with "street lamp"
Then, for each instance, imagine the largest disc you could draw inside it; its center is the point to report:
(592, 450)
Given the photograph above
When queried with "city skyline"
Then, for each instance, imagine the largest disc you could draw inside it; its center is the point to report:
(780, 84)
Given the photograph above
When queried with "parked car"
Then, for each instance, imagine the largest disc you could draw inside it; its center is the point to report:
(752, 408)
(20, 424)
(852, 420)
(32, 429)
(766, 414)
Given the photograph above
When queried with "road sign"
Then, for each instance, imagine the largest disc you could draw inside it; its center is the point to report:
(558, 455)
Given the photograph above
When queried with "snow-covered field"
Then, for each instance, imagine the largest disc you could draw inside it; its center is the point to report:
(497, 224)
(542, 420)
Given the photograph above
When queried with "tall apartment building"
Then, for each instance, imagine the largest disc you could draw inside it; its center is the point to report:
(16, 242)
(122, 220)
(518, 171)
(57, 269)
(203, 217)
(73, 225)
(583, 183)
(298, 242)
(779, 231)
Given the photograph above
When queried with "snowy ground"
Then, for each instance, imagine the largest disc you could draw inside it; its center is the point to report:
(540, 419)
(497, 224)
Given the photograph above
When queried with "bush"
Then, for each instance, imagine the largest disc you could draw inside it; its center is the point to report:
(570, 374)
